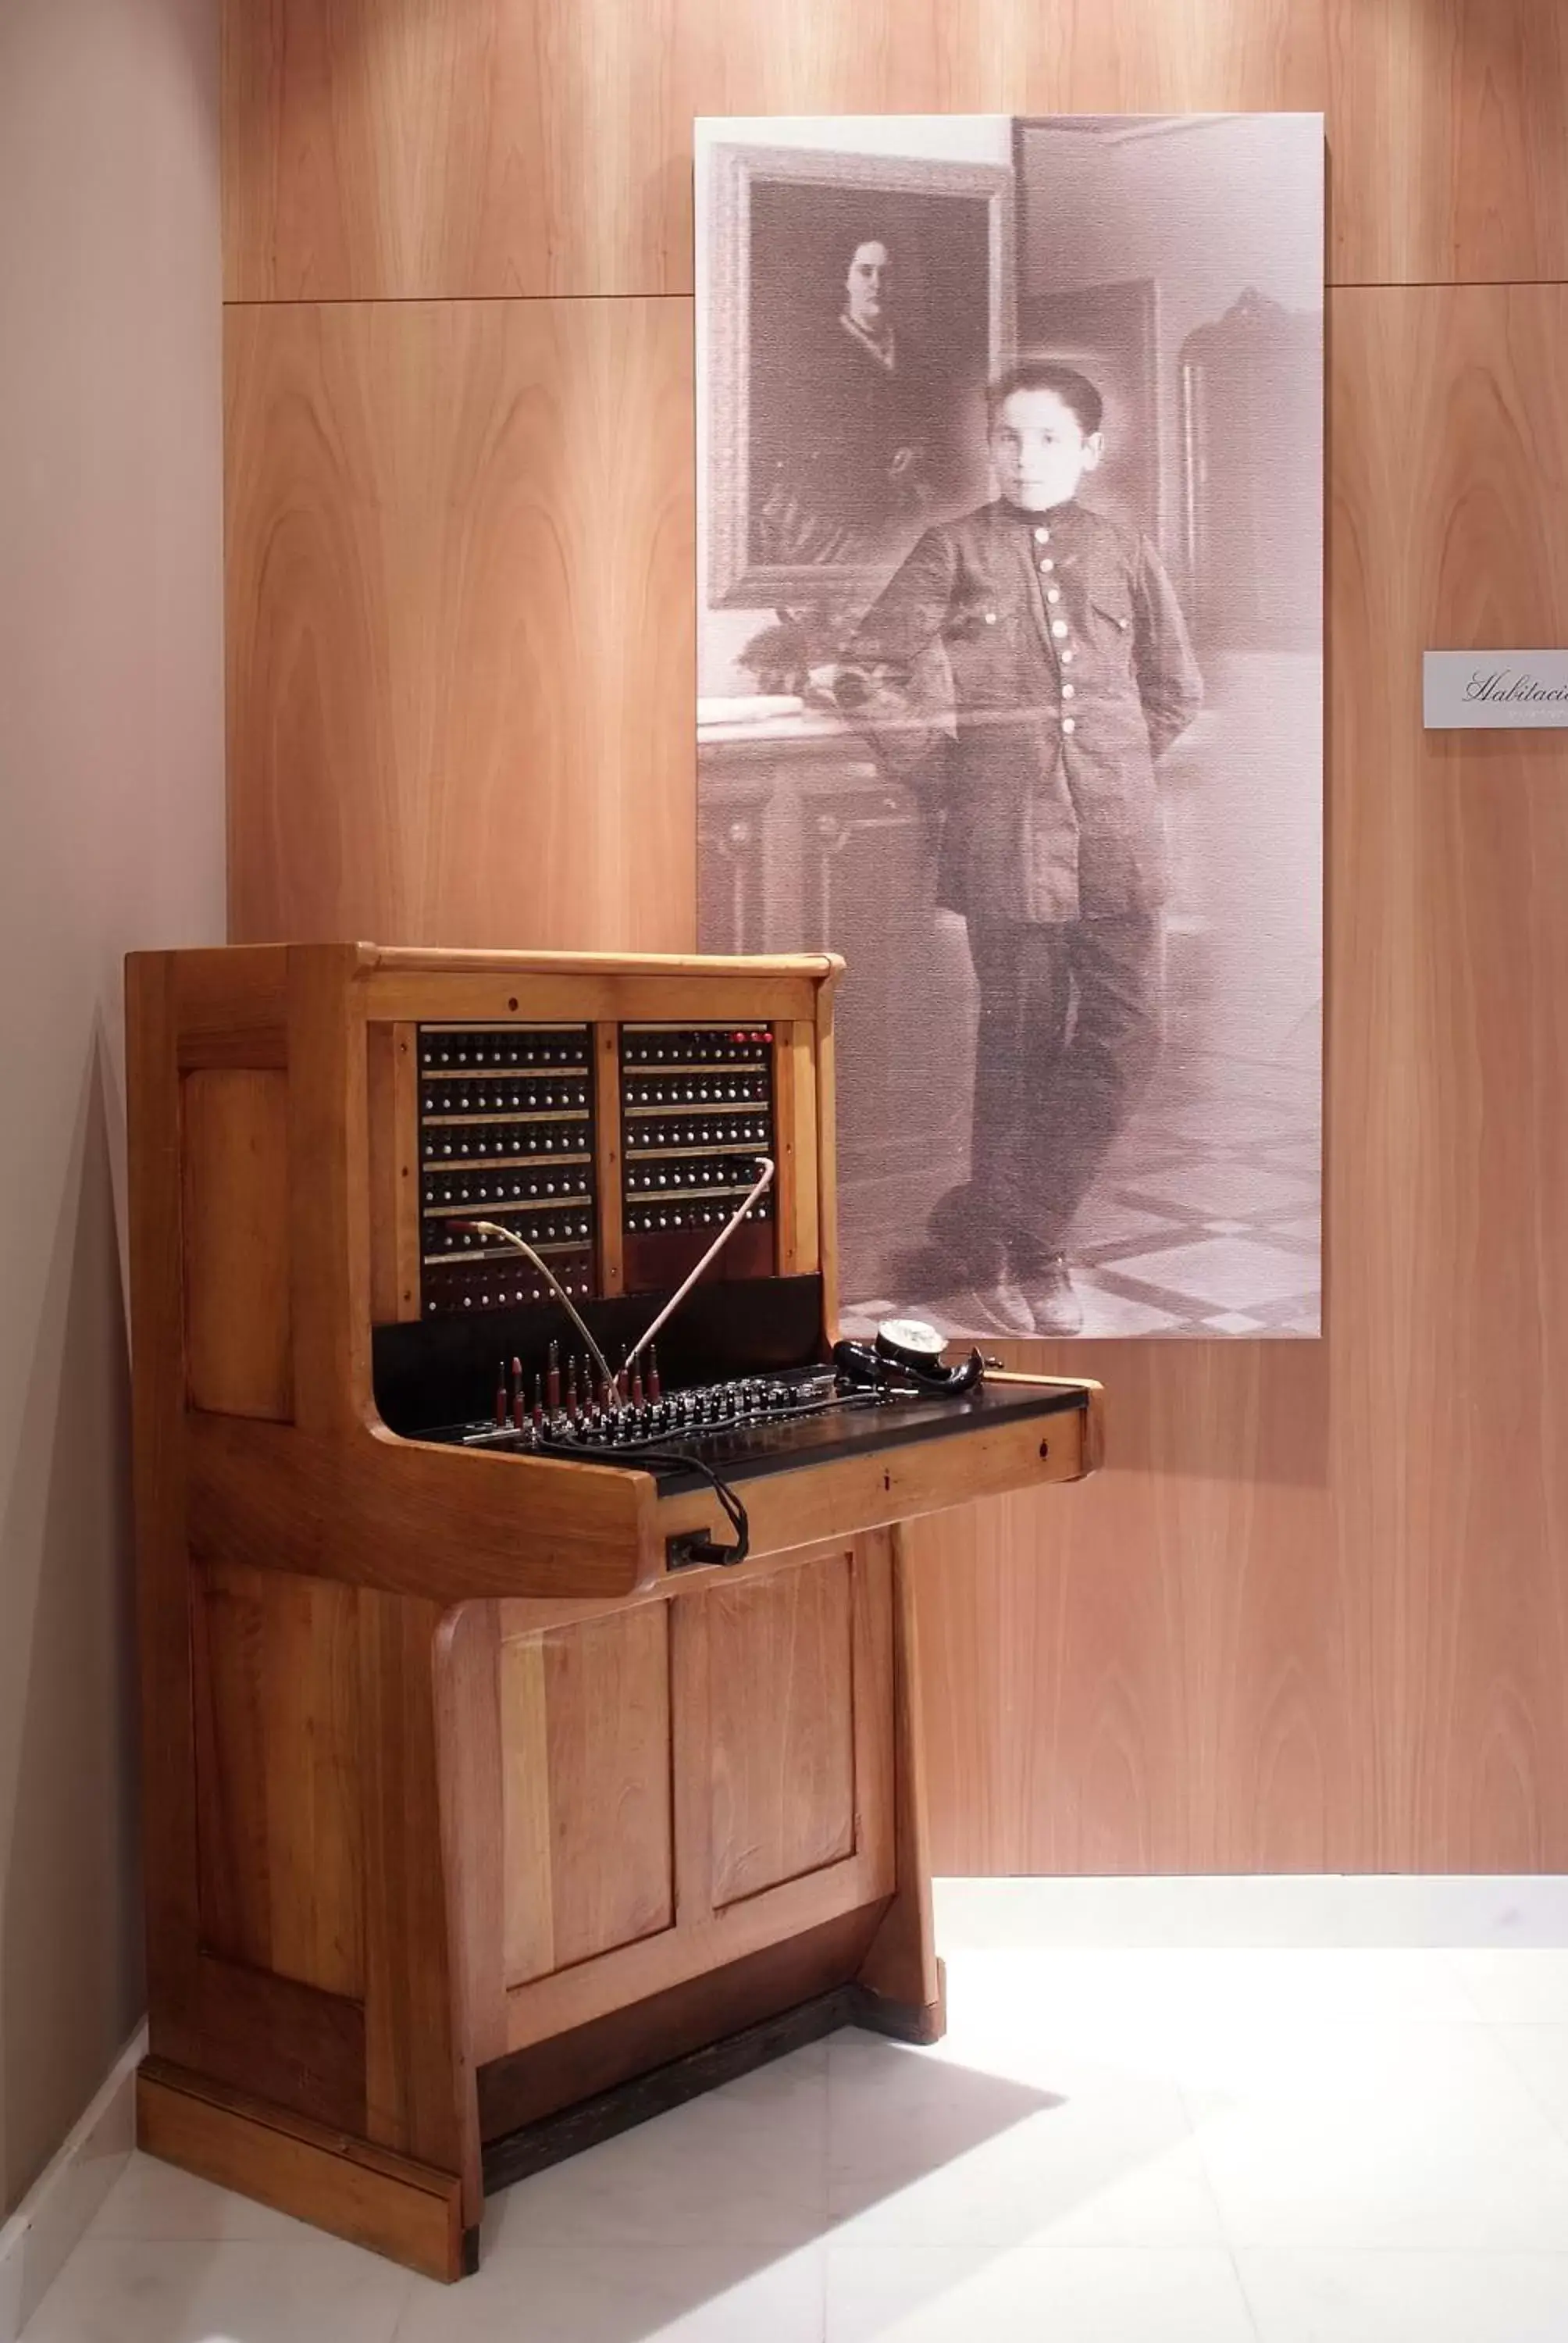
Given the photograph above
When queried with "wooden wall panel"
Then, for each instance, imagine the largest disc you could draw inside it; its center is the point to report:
(375, 149)
(1310, 1618)
(1315, 1617)
(460, 624)
(1448, 129)
(783, 1768)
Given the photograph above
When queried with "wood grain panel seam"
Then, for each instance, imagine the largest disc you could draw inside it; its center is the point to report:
(454, 300)
(1441, 284)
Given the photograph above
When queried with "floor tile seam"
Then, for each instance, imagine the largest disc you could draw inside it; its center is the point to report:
(1233, 2254)
(1031, 2070)
(1159, 1242)
(1205, 2169)
(1262, 1220)
(1196, 2124)
(1557, 2253)
(1479, 1997)
(1116, 1254)
(1492, 2030)
(1273, 2002)
(309, 2236)
(834, 2240)
(311, 2240)
(1240, 2235)
(1285, 1254)
(1421, 2034)
(1556, 2117)
(1212, 2249)
(397, 2331)
(669, 2239)
(1456, 1962)
(1260, 1223)
(90, 2250)
(1281, 1166)
(1169, 1237)
(511, 2247)
(1138, 1290)
(1276, 2004)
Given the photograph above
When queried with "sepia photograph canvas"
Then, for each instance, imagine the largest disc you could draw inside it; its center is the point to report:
(1010, 486)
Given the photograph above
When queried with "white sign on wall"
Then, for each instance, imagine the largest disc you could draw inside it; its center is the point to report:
(1498, 691)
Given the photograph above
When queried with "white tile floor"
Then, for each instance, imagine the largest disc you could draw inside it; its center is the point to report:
(1128, 2147)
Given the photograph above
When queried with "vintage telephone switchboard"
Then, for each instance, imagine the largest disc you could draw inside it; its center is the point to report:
(527, 1641)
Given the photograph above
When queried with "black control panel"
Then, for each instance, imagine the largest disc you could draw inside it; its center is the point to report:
(741, 1427)
(737, 1385)
(697, 1113)
(506, 1134)
(743, 1424)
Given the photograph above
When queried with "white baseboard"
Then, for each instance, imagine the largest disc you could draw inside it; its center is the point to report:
(55, 2211)
(1327, 1909)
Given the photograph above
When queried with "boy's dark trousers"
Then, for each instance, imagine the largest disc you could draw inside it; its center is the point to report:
(1070, 1028)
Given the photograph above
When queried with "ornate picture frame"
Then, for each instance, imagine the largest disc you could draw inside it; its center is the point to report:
(743, 183)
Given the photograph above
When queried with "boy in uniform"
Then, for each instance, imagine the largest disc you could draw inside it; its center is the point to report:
(1030, 660)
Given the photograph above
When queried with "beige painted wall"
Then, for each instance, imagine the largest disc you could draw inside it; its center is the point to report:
(111, 791)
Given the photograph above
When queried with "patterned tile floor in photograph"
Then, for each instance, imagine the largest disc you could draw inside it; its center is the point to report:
(1205, 1220)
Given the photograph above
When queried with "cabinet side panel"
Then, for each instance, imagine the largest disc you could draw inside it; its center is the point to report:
(235, 1177)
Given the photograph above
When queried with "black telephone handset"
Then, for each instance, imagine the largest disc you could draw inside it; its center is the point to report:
(906, 1352)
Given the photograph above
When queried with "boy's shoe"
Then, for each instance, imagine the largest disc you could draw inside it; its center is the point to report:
(1054, 1307)
(999, 1308)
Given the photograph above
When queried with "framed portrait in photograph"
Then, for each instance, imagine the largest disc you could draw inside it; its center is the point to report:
(857, 306)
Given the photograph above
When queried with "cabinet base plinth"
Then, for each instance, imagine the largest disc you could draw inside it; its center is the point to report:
(407, 2211)
(534, 2146)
